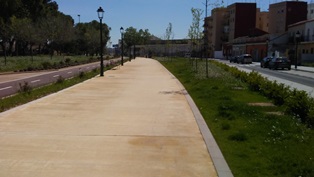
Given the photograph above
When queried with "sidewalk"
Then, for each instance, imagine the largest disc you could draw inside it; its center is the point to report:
(136, 121)
(303, 68)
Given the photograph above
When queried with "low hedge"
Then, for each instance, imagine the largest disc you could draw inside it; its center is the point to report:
(297, 103)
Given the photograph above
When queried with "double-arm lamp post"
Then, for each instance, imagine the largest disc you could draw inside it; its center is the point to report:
(122, 52)
(100, 12)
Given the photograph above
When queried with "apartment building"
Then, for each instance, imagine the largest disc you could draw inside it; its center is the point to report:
(220, 28)
(242, 19)
(208, 33)
(283, 14)
(262, 20)
(310, 11)
(305, 50)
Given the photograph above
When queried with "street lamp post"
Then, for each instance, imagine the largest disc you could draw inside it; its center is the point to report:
(100, 12)
(297, 37)
(122, 49)
(79, 18)
(267, 47)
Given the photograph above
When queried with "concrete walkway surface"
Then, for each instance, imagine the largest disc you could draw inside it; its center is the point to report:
(136, 121)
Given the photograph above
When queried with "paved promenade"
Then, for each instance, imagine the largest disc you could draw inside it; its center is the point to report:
(136, 121)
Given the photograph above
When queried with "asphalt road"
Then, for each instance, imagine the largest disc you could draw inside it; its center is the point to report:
(299, 77)
(10, 83)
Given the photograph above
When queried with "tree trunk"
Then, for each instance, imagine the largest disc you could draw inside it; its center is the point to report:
(31, 51)
(4, 52)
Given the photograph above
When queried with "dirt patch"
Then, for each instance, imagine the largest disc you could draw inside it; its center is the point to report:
(181, 92)
(275, 113)
(238, 88)
(261, 104)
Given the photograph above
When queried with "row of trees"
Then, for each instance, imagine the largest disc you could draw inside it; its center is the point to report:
(134, 37)
(28, 26)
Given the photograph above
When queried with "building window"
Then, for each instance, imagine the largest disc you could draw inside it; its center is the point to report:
(312, 11)
(312, 50)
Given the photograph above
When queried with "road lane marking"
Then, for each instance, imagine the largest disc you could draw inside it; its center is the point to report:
(35, 81)
(70, 72)
(56, 75)
(5, 88)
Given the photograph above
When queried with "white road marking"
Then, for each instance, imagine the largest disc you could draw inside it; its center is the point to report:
(35, 81)
(5, 88)
(70, 72)
(56, 75)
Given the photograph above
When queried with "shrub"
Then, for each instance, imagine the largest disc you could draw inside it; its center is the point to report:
(300, 105)
(30, 68)
(311, 117)
(254, 80)
(60, 80)
(67, 60)
(277, 92)
(25, 88)
(297, 103)
(46, 65)
(61, 64)
(82, 75)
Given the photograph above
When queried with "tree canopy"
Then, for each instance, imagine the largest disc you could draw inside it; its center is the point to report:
(134, 37)
(28, 23)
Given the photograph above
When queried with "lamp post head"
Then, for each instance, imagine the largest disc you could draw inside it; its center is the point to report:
(100, 12)
(297, 34)
(121, 30)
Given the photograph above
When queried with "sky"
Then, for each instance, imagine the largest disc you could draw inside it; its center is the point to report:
(154, 15)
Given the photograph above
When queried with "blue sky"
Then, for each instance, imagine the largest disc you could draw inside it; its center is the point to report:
(154, 15)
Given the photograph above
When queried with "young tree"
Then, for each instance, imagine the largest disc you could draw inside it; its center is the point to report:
(195, 33)
(168, 37)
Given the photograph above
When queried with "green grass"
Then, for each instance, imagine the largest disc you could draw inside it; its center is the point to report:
(253, 142)
(24, 63)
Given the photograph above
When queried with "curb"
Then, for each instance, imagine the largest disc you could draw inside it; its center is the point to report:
(215, 153)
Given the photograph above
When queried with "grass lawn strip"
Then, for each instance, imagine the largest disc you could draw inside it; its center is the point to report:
(253, 141)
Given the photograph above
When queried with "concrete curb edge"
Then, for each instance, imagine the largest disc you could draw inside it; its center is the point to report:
(218, 159)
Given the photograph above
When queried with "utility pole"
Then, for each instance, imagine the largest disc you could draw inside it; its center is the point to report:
(205, 31)
(206, 7)
(205, 42)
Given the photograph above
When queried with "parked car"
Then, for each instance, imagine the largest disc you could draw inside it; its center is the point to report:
(234, 59)
(187, 55)
(265, 62)
(245, 58)
(279, 62)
